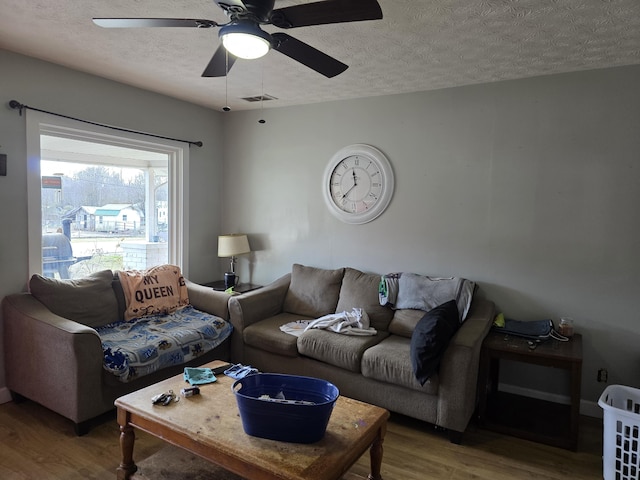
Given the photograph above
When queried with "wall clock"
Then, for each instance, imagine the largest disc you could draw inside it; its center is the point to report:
(358, 183)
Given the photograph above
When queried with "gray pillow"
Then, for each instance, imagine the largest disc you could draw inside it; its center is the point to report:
(89, 300)
(313, 292)
(360, 290)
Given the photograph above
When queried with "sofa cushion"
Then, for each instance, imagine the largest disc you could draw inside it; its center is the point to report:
(431, 338)
(389, 362)
(89, 300)
(344, 351)
(404, 321)
(157, 290)
(313, 292)
(266, 335)
(360, 290)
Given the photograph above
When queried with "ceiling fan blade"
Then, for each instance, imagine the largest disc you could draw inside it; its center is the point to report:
(153, 22)
(307, 55)
(328, 11)
(220, 64)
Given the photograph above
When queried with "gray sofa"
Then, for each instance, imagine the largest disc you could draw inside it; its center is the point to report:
(58, 361)
(375, 369)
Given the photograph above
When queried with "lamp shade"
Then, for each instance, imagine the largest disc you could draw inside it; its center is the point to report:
(232, 245)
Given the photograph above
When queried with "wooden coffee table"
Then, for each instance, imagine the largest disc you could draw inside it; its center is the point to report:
(209, 425)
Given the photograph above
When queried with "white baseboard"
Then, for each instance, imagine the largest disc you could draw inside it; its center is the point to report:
(5, 395)
(588, 408)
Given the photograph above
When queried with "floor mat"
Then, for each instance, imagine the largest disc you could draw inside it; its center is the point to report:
(173, 463)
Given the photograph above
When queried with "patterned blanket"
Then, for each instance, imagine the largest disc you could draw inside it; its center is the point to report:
(133, 348)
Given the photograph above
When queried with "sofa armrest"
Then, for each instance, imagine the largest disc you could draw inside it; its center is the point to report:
(252, 307)
(458, 375)
(208, 300)
(52, 360)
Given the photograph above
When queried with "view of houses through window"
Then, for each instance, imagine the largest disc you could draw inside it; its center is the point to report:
(103, 207)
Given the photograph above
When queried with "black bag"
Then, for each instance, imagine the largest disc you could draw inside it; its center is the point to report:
(537, 330)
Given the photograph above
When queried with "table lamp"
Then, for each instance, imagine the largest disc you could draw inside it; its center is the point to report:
(230, 246)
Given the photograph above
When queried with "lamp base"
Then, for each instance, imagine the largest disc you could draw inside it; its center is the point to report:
(230, 280)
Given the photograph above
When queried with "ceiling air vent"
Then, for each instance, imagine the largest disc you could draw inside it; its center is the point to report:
(259, 98)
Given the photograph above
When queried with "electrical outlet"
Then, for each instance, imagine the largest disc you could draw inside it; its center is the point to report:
(603, 375)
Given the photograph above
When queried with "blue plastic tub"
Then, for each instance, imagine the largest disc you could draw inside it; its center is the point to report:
(302, 416)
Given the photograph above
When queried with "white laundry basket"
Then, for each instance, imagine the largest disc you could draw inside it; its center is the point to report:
(621, 432)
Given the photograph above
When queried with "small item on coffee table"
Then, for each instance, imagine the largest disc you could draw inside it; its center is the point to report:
(239, 371)
(190, 392)
(198, 376)
(165, 398)
(219, 370)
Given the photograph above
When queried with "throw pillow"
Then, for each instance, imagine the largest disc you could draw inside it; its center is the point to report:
(313, 292)
(360, 290)
(431, 337)
(159, 289)
(89, 300)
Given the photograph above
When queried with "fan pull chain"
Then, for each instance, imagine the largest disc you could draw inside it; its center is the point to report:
(262, 120)
(226, 107)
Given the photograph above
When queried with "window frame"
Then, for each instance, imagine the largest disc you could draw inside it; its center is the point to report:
(40, 123)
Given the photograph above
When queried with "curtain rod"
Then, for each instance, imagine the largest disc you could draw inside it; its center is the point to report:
(20, 106)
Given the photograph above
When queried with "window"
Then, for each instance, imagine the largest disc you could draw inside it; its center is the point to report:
(118, 199)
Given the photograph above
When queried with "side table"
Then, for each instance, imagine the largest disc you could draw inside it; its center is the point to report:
(240, 288)
(533, 419)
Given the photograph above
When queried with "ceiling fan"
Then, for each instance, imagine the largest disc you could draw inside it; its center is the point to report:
(242, 36)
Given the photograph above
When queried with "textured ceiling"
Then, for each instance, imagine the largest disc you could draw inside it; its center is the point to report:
(418, 45)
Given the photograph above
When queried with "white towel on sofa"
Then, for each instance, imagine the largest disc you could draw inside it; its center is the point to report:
(355, 322)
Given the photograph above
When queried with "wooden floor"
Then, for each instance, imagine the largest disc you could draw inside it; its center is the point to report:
(36, 443)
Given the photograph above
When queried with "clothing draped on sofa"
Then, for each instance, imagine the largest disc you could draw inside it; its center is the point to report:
(355, 322)
(419, 292)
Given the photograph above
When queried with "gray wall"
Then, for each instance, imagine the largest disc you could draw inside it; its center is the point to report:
(530, 188)
(57, 89)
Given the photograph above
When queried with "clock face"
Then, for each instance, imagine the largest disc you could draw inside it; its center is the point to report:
(355, 184)
(358, 184)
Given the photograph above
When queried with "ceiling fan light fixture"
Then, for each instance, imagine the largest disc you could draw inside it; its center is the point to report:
(245, 40)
